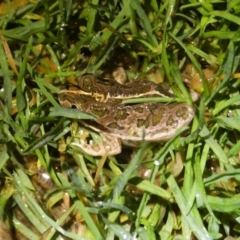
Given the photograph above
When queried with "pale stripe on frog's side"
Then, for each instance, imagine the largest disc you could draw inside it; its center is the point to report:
(125, 122)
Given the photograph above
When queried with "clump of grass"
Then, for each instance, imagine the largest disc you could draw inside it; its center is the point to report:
(186, 188)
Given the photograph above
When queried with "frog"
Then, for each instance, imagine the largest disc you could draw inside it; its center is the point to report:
(118, 122)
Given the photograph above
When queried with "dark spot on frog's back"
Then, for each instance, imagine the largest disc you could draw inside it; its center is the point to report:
(173, 123)
(183, 112)
(115, 92)
(142, 87)
(114, 125)
(143, 123)
(153, 106)
(121, 114)
(138, 109)
(157, 116)
(99, 111)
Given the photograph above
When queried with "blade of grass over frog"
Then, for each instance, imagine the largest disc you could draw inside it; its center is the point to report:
(206, 135)
(123, 179)
(191, 217)
(152, 99)
(88, 219)
(49, 96)
(40, 142)
(227, 204)
(135, 4)
(226, 15)
(194, 62)
(222, 177)
(70, 113)
(92, 16)
(229, 66)
(21, 104)
(178, 79)
(7, 85)
(38, 210)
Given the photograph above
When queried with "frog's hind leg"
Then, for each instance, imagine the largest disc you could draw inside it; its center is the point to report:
(110, 145)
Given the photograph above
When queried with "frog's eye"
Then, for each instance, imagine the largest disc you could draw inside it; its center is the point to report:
(86, 82)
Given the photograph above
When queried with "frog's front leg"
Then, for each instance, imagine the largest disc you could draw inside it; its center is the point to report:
(109, 146)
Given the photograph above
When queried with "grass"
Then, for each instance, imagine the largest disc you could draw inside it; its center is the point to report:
(186, 188)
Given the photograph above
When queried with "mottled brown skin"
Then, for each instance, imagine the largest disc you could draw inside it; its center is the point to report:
(103, 98)
(109, 87)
